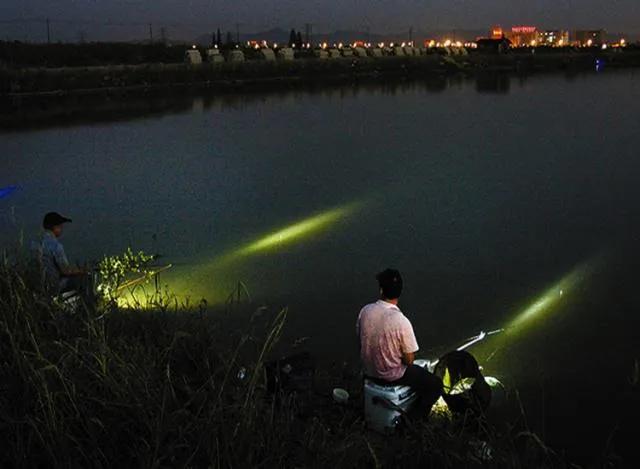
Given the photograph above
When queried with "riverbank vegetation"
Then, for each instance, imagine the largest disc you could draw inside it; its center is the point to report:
(180, 386)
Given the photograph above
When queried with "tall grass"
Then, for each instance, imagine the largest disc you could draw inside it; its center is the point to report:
(105, 387)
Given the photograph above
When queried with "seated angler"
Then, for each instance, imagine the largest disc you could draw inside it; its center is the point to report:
(59, 275)
(388, 344)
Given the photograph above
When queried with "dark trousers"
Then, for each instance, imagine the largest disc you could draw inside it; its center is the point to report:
(427, 385)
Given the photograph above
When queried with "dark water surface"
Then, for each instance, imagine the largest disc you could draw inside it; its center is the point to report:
(484, 193)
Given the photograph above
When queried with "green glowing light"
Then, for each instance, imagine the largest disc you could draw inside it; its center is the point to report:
(552, 297)
(212, 279)
(297, 230)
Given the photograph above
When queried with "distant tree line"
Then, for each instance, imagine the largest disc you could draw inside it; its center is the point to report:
(295, 39)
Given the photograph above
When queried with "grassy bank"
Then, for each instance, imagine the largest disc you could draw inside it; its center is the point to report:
(105, 387)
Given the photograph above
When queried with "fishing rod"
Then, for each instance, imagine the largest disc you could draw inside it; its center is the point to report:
(478, 338)
(143, 278)
(471, 341)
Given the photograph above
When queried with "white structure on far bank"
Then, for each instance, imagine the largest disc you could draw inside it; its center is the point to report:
(193, 57)
(267, 54)
(214, 56)
(235, 56)
(360, 51)
(286, 54)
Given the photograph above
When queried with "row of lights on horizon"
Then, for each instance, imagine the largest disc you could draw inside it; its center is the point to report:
(590, 43)
(366, 45)
(430, 44)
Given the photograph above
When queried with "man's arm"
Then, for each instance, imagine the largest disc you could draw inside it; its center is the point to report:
(409, 343)
(408, 358)
(64, 267)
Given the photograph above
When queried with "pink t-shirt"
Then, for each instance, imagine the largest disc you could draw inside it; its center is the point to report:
(385, 334)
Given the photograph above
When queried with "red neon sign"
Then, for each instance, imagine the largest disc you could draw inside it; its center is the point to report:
(524, 29)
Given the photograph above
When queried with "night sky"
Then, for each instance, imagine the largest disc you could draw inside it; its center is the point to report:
(189, 17)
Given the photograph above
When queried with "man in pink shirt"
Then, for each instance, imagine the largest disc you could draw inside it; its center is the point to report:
(388, 344)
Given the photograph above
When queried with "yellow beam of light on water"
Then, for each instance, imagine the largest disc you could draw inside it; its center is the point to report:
(207, 279)
(554, 295)
(551, 301)
(295, 231)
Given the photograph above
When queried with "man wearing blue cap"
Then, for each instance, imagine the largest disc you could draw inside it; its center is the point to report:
(59, 275)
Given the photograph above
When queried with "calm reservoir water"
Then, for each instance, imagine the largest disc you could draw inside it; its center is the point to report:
(484, 193)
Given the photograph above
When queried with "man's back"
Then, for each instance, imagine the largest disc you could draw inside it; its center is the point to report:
(385, 335)
(50, 253)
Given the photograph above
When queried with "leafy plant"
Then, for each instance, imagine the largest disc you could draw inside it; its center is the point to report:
(116, 271)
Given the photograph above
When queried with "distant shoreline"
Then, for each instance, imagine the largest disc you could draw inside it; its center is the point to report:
(96, 94)
(110, 79)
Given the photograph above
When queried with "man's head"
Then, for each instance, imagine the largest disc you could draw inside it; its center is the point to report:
(53, 222)
(390, 282)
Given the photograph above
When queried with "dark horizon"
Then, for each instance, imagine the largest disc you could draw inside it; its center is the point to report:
(43, 30)
(131, 20)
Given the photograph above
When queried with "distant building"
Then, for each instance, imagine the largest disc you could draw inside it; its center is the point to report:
(587, 38)
(521, 36)
(496, 32)
(553, 37)
(493, 46)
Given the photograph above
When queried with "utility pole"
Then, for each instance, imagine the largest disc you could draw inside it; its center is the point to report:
(411, 34)
(238, 33)
(48, 32)
(150, 33)
(307, 29)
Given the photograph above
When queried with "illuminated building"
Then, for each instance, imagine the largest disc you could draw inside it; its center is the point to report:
(595, 37)
(521, 36)
(496, 32)
(553, 37)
